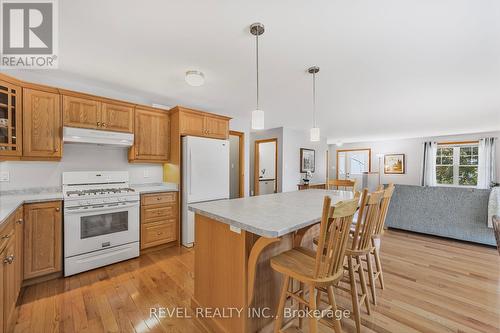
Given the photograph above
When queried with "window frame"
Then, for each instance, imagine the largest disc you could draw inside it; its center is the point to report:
(456, 161)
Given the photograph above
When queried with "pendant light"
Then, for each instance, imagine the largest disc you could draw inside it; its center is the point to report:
(315, 133)
(257, 29)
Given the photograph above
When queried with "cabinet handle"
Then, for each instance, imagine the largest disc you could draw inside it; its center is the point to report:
(20, 221)
(5, 237)
(98, 124)
(56, 149)
(58, 209)
(9, 260)
(104, 125)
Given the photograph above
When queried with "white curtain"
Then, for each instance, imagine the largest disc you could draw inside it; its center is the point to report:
(486, 172)
(429, 165)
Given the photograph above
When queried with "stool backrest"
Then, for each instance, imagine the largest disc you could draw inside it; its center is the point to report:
(384, 208)
(369, 212)
(333, 237)
(345, 184)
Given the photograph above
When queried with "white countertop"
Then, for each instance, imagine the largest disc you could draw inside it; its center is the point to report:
(155, 188)
(271, 215)
(10, 202)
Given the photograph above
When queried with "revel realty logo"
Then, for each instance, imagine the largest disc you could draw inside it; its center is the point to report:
(29, 34)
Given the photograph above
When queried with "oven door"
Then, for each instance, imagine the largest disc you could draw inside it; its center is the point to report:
(93, 228)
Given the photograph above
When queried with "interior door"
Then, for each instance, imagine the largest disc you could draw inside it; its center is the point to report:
(353, 163)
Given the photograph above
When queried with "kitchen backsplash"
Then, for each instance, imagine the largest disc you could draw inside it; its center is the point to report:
(77, 157)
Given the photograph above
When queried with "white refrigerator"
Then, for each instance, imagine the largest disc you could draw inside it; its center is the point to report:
(205, 177)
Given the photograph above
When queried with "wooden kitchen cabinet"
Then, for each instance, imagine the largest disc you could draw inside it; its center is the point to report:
(217, 128)
(42, 239)
(152, 136)
(116, 117)
(197, 123)
(81, 112)
(11, 251)
(42, 124)
(10, 120)
(159, 219)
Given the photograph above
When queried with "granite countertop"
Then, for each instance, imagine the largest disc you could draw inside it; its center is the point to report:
(155, 188)
(271, 215)
(11, 200)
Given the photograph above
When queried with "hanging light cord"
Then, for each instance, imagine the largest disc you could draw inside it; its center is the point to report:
(257, 63)
(314, 99)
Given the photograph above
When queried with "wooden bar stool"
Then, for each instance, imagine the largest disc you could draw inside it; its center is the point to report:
(359, 246)
(322, 270)
(344, 184)
(375, 243)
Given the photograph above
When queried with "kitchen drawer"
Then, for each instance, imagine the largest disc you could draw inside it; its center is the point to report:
(153, 212)
(157, 233)
(7, 231)
(158, 198)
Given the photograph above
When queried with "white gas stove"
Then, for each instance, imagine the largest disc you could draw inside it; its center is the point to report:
(101, 220)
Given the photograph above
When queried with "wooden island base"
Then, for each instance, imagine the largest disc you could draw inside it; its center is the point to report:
(226, 263)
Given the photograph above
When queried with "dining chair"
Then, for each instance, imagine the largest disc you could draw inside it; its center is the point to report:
(321, 269)
(374, 254)
(344, 184)
(496, 228)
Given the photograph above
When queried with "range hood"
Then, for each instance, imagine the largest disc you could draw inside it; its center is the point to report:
(82, 135)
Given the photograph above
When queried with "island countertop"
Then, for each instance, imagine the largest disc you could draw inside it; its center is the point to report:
(271, 215)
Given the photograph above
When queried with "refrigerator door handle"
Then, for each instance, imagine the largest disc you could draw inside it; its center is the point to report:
(189, 173)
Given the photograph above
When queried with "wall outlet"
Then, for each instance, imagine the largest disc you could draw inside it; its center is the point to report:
(146, 173)
(4, 176)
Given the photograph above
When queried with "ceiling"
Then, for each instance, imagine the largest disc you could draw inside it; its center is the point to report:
(388, 68)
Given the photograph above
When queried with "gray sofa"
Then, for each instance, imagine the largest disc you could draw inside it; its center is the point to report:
(459, 213)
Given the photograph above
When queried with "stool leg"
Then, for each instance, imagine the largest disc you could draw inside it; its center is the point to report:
(301, 305)
(313, 322)
(371, 278)
(362, 281)
(354, 295)
(333, 303)
(379, 268)
(281, 307)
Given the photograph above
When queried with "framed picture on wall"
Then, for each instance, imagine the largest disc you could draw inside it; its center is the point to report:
(307, 160)
(394, 164)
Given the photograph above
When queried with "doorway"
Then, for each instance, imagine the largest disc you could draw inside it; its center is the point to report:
(266, 166)
(352, 163)
(236, 164)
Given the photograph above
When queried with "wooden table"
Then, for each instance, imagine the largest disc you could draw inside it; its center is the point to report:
(234, 241)
(321, 186)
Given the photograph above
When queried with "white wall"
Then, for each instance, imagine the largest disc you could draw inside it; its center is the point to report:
(293, 140)
(413, 149)
(77, 157)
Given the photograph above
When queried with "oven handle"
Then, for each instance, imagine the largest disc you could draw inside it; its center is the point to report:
(97, 208)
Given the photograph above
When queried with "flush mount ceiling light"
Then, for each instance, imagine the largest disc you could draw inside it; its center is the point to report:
(315, 133)
(195, 78)
(257, 29)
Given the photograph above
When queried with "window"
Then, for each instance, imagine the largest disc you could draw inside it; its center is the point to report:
(457, 165)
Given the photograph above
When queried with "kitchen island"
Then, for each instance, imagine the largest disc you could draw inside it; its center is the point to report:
(235, 289)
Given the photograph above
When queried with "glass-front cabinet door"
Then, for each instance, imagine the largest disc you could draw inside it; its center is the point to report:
(10, 119)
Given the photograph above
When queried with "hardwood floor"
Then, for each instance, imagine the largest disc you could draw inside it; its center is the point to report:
(432, 285)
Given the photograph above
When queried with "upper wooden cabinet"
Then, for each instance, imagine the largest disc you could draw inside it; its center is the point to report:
(10, 119)
(42, 124)
(81, 112)
(117, 117)
(94, 114)
(151, 136)
(197, 123)
(42, 239)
